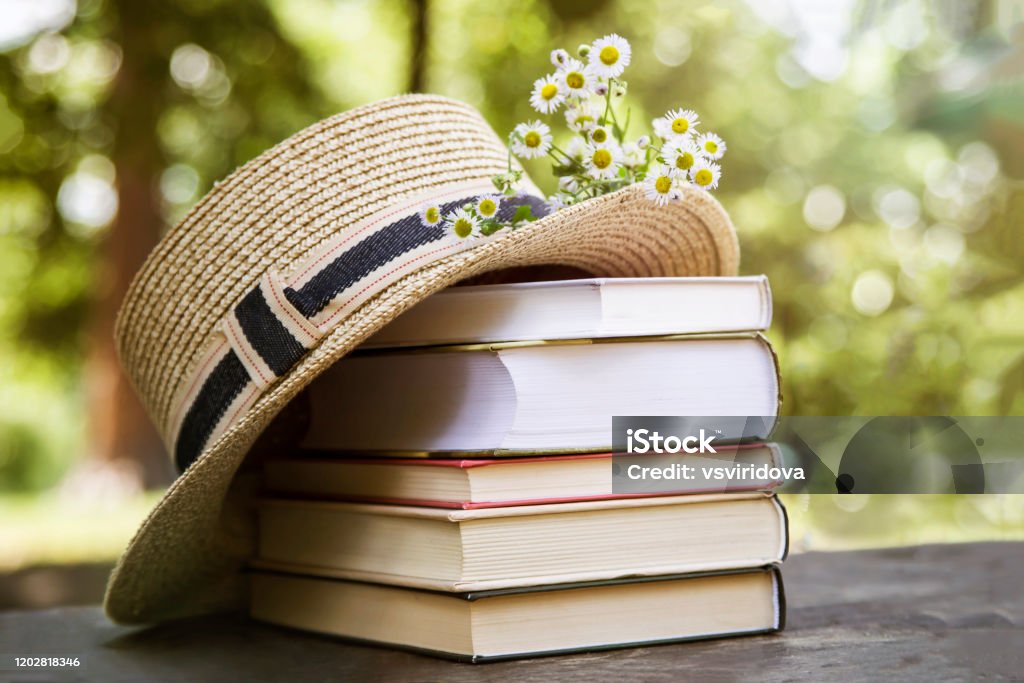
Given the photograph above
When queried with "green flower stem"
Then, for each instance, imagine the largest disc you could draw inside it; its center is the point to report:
(590, 188)
(583, 188)
(555, 148)
(607, 103)
(608, 184)
(567, 160)
(609, 110)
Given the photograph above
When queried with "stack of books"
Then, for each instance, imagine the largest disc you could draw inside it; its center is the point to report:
(453, 489)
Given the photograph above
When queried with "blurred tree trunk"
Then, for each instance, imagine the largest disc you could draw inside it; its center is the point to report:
(418, 70)
(121, 434)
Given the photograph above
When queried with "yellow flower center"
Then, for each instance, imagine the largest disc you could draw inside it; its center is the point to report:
(703, 177)
(599, 135)
(663, 184)
(684, 161)
(487, 207)
(711, 146)
(582, 120)
(432, 214)
(462, 227)
(680, 125)
(532, 139)
(575, 80)
(609, 55)
(602, 158)
(549, 91)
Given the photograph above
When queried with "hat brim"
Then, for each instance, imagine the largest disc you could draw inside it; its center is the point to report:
(187, 557)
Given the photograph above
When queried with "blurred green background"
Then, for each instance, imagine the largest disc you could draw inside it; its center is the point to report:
(875, 173)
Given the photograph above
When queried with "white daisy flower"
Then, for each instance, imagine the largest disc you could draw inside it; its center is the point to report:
(559, 57)
(705, 174)
(681, 154)
(487, 206)
(430, 215)
(558, 201)
(662, 185)
(579, 80)
(676, 122)
(462, 223)
(548, 94)
(711, 146)
(609, 56)
(568, 184)
(576, 148)
(632, 155)
(601, 161)
(600, 135)
(531, 140)
(581, 116)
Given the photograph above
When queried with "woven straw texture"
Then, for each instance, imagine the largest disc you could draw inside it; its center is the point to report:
(272, 212)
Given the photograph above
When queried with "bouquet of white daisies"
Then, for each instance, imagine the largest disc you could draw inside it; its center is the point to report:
(599, 158)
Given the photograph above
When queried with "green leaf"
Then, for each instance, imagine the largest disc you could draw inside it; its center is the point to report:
(564, 170)
(491, 226)
(523, 213)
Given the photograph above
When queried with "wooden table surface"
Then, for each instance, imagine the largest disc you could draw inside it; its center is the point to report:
(934, 613)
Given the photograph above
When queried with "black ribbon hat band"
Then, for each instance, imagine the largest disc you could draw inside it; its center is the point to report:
(274, 325)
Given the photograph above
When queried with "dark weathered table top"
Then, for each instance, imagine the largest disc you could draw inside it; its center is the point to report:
(930, 613)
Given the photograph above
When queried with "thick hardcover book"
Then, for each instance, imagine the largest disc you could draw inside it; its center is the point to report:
(580, 309)
(526, 622)
(484, 483)
(487, 549)
(533, 397)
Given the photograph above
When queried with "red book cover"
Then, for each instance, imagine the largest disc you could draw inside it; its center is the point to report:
(278, 485)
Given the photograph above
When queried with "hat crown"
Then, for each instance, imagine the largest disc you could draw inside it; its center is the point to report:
(274, 212)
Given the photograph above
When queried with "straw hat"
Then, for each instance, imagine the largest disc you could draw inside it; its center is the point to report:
(296, 258)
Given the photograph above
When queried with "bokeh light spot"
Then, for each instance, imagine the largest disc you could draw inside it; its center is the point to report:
(824, 207)
(872, 293)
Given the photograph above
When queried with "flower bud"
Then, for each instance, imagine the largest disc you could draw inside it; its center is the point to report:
(601, 90)
(620, 90)
(644, 142)
(559, 57)
(583, 50)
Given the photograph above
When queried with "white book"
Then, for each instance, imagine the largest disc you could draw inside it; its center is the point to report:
(476, 627)
(581, 309)
(533, 398)
(529, 545)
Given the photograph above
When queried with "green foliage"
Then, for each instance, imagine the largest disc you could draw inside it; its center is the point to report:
(523, 213)
(884, 205)
(212, 85)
